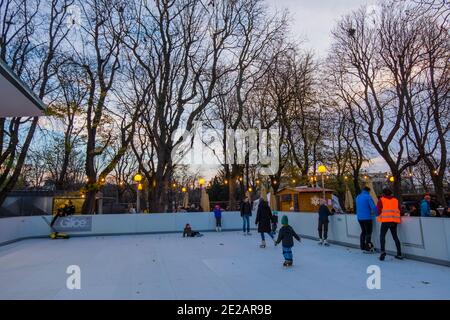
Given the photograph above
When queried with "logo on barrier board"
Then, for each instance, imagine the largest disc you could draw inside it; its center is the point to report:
(74, 224)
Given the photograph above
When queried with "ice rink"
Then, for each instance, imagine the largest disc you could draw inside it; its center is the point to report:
(224, 265)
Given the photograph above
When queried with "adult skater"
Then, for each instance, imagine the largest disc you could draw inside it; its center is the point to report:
(286, 237)
(263, 220)
(365, 211)
(218, 217)
(324, 213)
(55, 234)
(389, 215)
(246, 213)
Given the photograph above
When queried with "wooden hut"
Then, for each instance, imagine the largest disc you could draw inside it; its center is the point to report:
(302, 199)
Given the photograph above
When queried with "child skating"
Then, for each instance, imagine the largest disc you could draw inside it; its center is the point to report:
(286, 236)
(274, 222)
(218, 216)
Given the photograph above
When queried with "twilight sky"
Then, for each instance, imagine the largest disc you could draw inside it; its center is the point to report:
(313, 20)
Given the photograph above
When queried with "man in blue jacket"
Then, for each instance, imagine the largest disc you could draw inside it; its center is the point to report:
(365, 211)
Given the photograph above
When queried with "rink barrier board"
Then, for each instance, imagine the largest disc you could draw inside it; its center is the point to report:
(424, 239)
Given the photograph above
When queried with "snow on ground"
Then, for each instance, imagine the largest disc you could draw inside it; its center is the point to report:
(224, 265)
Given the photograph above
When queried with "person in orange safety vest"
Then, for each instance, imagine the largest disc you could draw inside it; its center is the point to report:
(388, 209)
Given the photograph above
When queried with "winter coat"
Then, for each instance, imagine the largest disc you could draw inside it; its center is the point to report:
(365, 206)
(286, 236)
(246, 209)
(187, 232)
(217, 213)
(274, 218)
(424, 208)
(264, 217)
(380, 204)
(324, 212)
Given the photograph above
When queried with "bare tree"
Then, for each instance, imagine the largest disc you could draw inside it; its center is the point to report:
(377, 61)
(30, 38)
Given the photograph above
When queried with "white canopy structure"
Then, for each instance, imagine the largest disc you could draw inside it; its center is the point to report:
(16, 99)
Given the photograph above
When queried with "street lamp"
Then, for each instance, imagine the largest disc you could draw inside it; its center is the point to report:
(138, 178)
(322, 169)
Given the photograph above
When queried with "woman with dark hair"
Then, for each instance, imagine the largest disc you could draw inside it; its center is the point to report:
(388, 209)
(264, 221)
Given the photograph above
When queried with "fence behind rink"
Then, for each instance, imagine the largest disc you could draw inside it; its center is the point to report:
(426, 239)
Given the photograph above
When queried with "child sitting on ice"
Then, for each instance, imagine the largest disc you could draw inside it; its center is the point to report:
(285, 236)
(189, 232)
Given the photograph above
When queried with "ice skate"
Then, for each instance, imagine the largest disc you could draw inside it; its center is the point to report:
(263, 244)
(285, 264)
(369, 249)
(249, 234)
(382, 256)
(399, 257)
(320, 242)
(325, 243)
(289, 263)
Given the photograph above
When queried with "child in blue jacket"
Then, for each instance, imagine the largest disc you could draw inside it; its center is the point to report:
(218, 216)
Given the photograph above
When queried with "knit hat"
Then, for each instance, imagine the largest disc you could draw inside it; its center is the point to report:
(284, 221)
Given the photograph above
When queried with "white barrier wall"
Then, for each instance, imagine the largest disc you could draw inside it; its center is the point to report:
(422, 238)
(425, 239)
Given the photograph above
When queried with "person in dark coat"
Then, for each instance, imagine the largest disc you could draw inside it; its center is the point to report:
(324, 213)
(286, 237)
(246, 213)
(264, 221)
(188, 232)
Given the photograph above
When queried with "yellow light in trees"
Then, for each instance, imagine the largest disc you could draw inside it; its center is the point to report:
(274, 181)
(293, 181)
(140, 186)
(137, 178)
(174, 185)
(250, 189)
(257, 181)
(183, 189)
(322, 169)
(391, 179)
(226, 181)
(201, 181)
(240, 178)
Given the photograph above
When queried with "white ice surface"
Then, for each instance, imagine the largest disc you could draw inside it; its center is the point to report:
(224, 265)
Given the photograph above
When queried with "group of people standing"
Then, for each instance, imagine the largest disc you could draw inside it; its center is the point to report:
(267, 222)
(387, 211)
